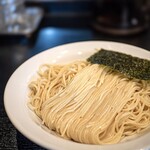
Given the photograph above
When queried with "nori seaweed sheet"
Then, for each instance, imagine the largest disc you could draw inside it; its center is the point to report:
(132, 67)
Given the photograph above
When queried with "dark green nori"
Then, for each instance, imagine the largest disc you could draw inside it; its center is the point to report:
(132, 67)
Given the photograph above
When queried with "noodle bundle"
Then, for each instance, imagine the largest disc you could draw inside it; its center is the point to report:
(90, 103)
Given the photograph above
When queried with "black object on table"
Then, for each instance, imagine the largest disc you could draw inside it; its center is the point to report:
(14, 50)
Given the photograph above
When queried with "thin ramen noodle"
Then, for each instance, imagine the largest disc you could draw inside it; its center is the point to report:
(90, 103)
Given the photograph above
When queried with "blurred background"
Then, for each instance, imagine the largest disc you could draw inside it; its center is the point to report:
(28, 27)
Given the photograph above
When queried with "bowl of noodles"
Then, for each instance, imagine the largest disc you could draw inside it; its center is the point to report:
(60, 100)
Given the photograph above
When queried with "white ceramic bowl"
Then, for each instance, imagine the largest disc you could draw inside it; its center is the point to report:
(16, 95)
